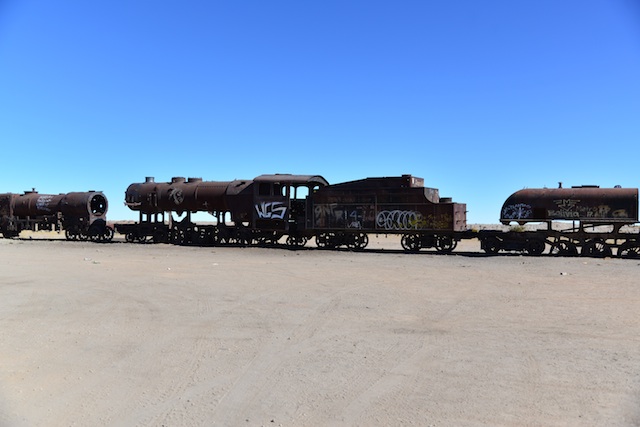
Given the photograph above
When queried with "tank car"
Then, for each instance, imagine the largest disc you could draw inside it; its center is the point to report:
(343, 214)
(588, 205)
(588, 220)
(244, 211)
(82, 215)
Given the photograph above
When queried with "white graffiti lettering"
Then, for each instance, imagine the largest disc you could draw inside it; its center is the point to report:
(43, 203)
(566, 204)
(271, 210)
(517, 211)
(176, 195)
(398, 220)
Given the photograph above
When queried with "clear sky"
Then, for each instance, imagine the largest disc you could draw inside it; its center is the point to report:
(480, 98)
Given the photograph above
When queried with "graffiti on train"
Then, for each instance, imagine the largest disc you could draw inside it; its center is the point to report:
(411, 220)
(399, 220)
(271, 210)
(517, 211)
(334, 215)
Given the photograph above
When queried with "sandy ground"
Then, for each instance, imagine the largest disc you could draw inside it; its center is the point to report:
(157, 335)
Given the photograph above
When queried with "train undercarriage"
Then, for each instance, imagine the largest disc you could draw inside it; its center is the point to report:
(155, 229)
(79, 229)
(578, 241)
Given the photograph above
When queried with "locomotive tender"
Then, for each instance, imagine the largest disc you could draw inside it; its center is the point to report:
(81, 214)
(344, 213)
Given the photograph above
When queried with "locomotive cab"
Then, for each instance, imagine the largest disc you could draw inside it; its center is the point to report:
(281, 201)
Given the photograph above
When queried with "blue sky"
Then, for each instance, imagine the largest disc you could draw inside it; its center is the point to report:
(480, 98)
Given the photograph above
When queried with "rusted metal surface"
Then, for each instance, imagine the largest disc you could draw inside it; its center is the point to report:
(295, 180)
(588, 204)
(81, 214)
(281, 201)
(257, 208)
(32, 203)
(94, 203)
(299, 207)
(386, 205)
(586, 220)
(179, 195)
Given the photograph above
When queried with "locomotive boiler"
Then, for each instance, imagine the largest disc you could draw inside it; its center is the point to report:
(263, 209)
(82, 215)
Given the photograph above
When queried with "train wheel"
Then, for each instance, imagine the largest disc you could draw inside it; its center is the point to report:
(201, 237)
(629, 250)
(564, 248)
(270, 240)
(362, 240)
(357, 241)
(214, 235)
(244, 237)
(410, 242)
(535, 247)
(223, 236)
(597, 248)
(130, 237)
(491, 245)
(70, 235)
(296, 241)
(264, 241)
(159, 236)
(445, 244)
(275, 239)
(327, 241)
(177, 236)
(107, 235)
(322, 240)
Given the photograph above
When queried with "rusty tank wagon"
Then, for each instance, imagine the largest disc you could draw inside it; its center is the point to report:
(82, 215)
(588, 220)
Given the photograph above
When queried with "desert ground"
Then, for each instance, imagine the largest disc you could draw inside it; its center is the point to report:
(157, 335)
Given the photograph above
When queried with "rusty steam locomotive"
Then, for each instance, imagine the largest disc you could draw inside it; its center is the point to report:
(269, 209)
(298, 207)
(82, 215)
